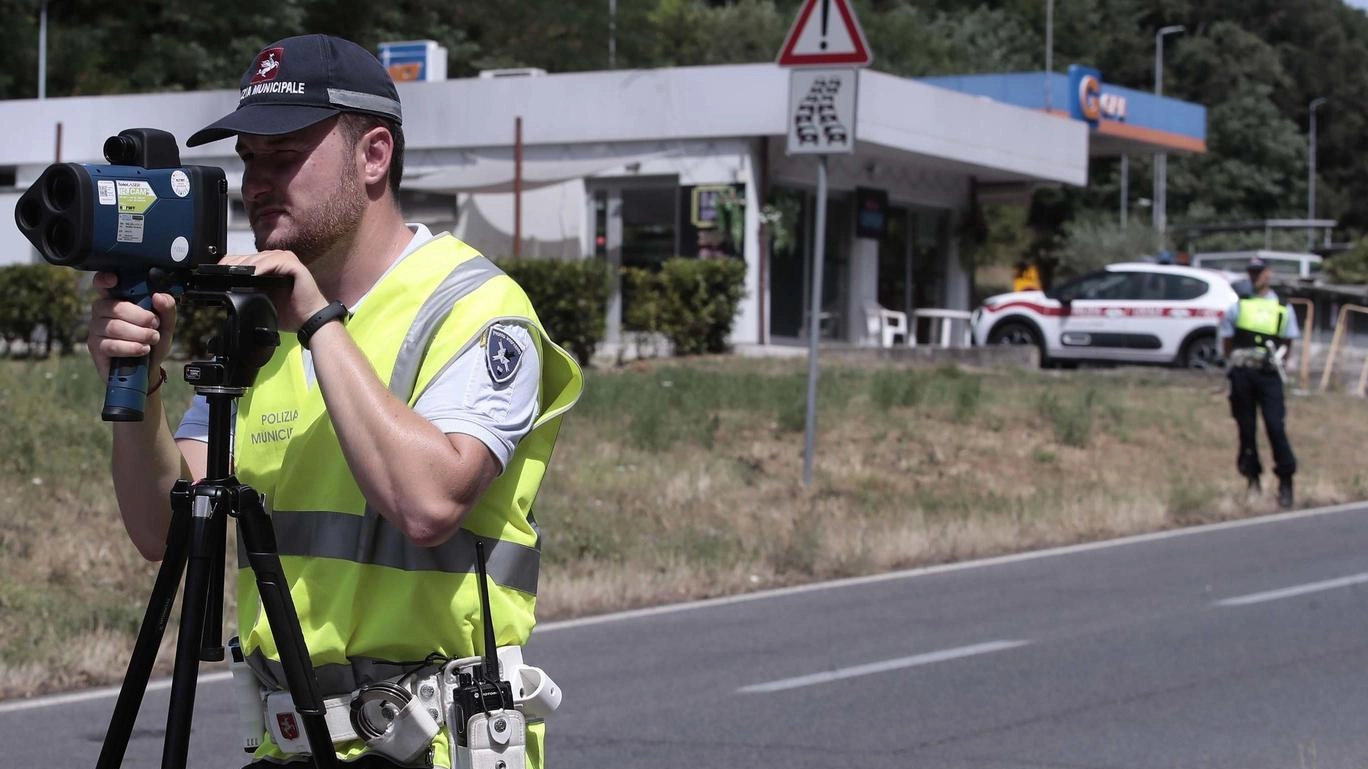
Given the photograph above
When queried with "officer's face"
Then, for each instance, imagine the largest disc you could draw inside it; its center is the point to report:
(301, 190)
(1261, 279)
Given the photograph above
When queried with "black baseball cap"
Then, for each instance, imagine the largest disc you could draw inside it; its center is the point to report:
(1256, 264)
(299, 81)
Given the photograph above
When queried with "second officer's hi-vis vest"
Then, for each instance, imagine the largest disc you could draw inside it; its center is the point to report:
(367, 597)
(1259, 319)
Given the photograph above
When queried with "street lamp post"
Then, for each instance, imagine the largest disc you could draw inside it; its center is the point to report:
(1161, 159)
(42, 50)
(612, 34)
(1049, 50)
(1311, 171)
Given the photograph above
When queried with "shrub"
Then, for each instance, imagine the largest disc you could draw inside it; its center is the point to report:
(570, 298)
(41, 295)
(1350, 267)
(692, 302)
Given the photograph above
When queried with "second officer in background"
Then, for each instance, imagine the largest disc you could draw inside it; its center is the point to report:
(1257, 334)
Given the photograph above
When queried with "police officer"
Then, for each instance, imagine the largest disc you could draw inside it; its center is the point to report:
(409, 412)
(1257, 333)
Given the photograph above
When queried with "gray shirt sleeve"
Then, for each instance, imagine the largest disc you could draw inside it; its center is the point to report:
(1293, 328)
(1227, 328)
(194, 425)
(488, 392)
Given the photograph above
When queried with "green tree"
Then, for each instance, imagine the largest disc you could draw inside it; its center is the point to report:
(1095, 239)
(915, 41)
(1255, 167)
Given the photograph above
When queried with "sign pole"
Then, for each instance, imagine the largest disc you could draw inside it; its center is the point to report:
(821, 121)
(814, 318)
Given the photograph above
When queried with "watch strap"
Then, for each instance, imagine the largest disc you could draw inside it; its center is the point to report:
(334, 311)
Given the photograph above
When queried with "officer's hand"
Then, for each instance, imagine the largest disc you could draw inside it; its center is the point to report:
(295, 304)
(121, 329)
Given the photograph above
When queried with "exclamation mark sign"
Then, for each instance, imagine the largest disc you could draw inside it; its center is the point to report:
(826, 7)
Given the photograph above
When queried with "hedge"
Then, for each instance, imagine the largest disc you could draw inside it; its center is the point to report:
(692, 302)
(42, 295)
(570, 297)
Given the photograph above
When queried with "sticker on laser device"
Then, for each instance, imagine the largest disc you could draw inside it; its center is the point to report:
(180, 249)
(106, 190)
(130, 228)
(180, 183)
(135, 197)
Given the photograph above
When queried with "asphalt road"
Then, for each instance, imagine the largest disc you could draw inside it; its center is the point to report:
(1239, 645)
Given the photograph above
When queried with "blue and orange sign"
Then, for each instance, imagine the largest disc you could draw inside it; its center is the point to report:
(1088, 102)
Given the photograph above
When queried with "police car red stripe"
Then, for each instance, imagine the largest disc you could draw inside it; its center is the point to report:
(1111, 312)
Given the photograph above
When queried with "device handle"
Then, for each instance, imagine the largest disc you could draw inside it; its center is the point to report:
(126, 390)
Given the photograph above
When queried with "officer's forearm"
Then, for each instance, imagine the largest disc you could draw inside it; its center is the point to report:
(407, 469)
(145, 464)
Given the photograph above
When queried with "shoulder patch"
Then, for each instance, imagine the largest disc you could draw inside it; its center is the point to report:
(502, 356)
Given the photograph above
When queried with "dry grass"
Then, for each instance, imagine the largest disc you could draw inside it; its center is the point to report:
(928, 476)
(676, 481)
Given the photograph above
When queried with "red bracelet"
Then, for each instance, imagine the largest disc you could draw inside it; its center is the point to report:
(159, 383)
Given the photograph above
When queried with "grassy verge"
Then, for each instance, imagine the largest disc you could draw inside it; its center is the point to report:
(682, 480)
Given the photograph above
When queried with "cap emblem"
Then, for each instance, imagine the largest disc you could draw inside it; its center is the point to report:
(267, 65)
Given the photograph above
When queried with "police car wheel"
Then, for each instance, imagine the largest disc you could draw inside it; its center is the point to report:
(1200, 353)
(1018, 333)
(1014, 332)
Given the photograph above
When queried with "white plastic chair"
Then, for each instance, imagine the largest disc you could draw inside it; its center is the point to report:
(887, 326)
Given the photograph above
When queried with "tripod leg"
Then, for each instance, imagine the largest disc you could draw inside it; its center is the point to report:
(149, 634)
(197, 585)
(258, 539)
(211, 646)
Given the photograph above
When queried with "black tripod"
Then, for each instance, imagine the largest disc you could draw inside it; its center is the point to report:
(198, 534)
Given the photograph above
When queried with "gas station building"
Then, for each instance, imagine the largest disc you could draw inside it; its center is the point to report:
(630, 167)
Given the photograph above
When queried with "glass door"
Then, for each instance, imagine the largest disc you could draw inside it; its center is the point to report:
(635, 225)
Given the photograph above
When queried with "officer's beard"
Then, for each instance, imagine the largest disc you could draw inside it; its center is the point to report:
(327, 229)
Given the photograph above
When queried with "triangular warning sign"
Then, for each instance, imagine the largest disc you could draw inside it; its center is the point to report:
(825, 33)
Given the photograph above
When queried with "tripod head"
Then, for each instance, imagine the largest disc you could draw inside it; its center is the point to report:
(249, 334)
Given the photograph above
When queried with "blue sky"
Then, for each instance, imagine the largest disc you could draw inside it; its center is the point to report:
(1357, 3)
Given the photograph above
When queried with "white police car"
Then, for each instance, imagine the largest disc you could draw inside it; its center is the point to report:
(1133, 312)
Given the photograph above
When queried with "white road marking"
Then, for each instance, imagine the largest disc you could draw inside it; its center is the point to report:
(1295, 590)
(881, 667)
(98, 694)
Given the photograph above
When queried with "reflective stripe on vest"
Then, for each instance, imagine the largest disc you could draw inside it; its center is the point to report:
(337, 679)
(468, 276)
(368, 539)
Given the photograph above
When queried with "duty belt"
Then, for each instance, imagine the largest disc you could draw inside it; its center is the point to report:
(1251, 357)
(421, 699)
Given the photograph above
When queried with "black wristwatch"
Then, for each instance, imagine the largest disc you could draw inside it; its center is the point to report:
(334, 311)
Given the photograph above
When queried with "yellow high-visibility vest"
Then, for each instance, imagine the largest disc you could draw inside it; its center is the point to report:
(368, 599)
(1258, 320)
